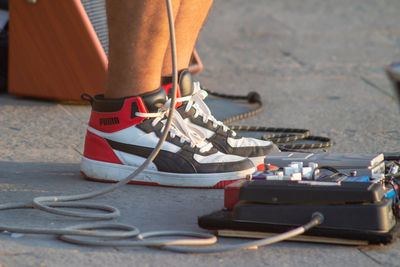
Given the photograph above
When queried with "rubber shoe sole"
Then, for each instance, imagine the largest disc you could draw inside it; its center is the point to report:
(110, 172)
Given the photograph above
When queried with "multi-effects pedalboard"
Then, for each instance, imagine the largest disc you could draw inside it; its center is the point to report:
(357, 194)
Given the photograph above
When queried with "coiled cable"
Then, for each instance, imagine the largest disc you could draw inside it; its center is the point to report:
(281, 136)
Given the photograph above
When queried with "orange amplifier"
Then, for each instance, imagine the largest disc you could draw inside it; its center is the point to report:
(58, 49)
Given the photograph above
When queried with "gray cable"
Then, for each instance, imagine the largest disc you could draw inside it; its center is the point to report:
(317, 218)
(75, 234)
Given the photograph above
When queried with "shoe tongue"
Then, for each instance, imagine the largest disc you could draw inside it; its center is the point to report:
(186, 83)
(154, 100)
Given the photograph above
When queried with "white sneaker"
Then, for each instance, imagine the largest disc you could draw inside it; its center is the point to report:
(123, 132)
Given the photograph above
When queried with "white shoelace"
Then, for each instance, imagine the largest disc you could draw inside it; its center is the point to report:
(196, 101)
(178, 128)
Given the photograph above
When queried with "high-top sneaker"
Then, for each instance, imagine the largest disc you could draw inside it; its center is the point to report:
(197, 116)
(123, 132)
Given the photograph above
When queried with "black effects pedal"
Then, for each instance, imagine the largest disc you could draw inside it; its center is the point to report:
(351, 210)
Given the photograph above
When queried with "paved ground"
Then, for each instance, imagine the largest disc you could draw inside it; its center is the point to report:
(317, 65)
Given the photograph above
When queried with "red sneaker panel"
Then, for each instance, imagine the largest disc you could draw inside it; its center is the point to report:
(97, 148)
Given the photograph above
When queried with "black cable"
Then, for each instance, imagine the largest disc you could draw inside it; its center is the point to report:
(324, 142)
(281, 136)
(329, 168)
(251, 97)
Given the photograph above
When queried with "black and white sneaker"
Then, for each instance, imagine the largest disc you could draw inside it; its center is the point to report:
(198, 117)
(123, 132)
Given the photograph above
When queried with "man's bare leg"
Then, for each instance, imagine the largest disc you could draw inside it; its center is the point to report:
(138, 39)
(188, 23)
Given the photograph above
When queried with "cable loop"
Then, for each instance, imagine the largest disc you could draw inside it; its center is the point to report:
(54, 207)
(282, 136)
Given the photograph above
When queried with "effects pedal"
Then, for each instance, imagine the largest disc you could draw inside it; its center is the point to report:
(358, 209)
